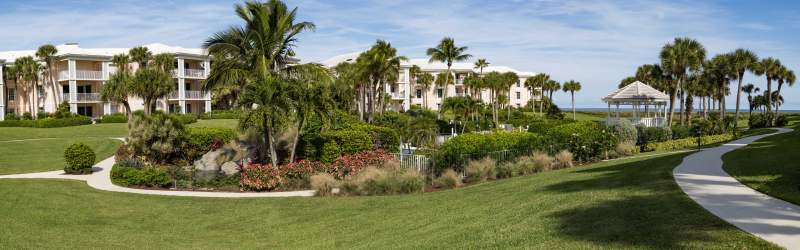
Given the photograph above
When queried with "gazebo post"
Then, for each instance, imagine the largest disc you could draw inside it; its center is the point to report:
(608, 113)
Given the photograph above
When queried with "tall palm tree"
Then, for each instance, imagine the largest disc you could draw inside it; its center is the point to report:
(677, 58)
(154, 81)
(447, 52)
(509, 79)
(552, 86)
(742, 60)
(424, 81)
(255, 56)
(572, 86)
(310, 90)
(494, 82)
(538, 81)
(769, 67)
(47, 53)
(480, 65)
(118, 87)
(413, 73)
(785, 76)
(748, 89)
(141, 55)
(27, 75)
(381, 64)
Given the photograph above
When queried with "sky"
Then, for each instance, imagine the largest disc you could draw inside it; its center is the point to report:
(597, 43)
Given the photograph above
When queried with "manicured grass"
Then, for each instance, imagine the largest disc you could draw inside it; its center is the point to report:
(617, 204)
(580, 116)
(38, 155)
(94, 130)
(770, 165)
(216, 123)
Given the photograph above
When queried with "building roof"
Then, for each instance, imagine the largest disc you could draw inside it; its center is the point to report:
(73, 49)
(425, 65)
(636, 91)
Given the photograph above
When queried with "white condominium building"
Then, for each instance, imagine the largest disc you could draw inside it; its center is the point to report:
(404, 95)
(80, 73)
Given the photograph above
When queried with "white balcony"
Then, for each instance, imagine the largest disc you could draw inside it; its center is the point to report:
(63, 75)
(81, 75)
(398, 95)
(83, 97)
(193, 94)
(646, 122)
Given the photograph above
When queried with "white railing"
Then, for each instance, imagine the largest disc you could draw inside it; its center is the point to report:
(88, 97)
(195, 73)
(173, 95)
(421, 163)
(89, 75)
(63, 75)
(65, 97)
(398, 96)
(646, 122)
(459, 81)
(193, 94)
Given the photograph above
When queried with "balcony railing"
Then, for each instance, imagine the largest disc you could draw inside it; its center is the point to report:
(398, 95)
(195, 73)
(65, 97)
(63, 75)
(81, 75)
(83, 97)
(193, 94)
(173, 95)
(645, 121)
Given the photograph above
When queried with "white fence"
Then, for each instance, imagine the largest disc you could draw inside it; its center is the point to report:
(421, 163)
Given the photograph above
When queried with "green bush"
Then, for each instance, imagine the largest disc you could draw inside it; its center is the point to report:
(542, 126)
(79, 158)
(330, 151)
(48, 122)
(185, 118)
(456, 151)
(586, 140)
(113, 118)
(158, 137)
(687, 142)
(625, 131)
(149, 176)
(221, 114)
(203, 137)
(681, 131)
(654, 134)
(350, 141)
(382, 137)
(762, 120)
(781, 121)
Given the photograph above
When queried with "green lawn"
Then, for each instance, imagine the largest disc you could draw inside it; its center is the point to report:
(631, 204)
(769, 166)
(216, 123)
(94, 130)
(580, 116)
(40, 155)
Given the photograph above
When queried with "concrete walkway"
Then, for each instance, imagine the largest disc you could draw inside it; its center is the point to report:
(701, 176)
(101, 179)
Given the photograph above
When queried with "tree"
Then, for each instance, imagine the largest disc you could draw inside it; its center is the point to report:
(310, 86)
(26, 71)
(269, 100)
(461, 106)
(425, 80)
(538, 81)
(552, 86)
(769, 67)
(413, 73)
(742, 60)
(380, 65)
(119, 85)
(447, 52)
(749, 89)
(494, 82)
(677, 58)
(509, 79)
(786, 76)
(154, 81)
(572, 86)
(141, 55)
(47, 53)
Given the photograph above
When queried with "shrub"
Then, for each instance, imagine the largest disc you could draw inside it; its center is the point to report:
(350, 141)
(587, 140)
(261, 177)
(159, 137)
(506, 170)
(123, 152)
(681, 131)
(222, 114)
(480, 170)
(626, 149)
(375, 181)
(563, 159)
(27, 116)
(204, 137)
(654, 134)
(455, 151)
(542, 126)
(523, 165)
(781, 121)
(79, 158)
(42, 115)
(48, 122)
(625, 131)
(687, 142)
(132, 163)
(324, 184)
(759, 120)
(330, 151)
(382, 137)
(150, 176)
(354, 163)
(448, 179)
(188, 118)
(541, 161)
(113, 118)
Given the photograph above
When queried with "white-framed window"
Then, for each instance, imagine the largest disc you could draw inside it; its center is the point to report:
(12, 94)
(519, 83)
(419, 93)
(518, 95)
(439, 92)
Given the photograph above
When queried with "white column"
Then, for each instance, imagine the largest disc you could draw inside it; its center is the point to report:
(180, 67)
(73, 87)
(2, 95)
(206, 68)
(207, 103)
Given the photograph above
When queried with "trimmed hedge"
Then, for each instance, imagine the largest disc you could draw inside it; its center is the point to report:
(221, 114)
(586, 140)
(149, 176)
(48, 122)
(350, 141)
(542, 126)
(687, 142)
(456, 151)
(113, 118)
(203, 137)
(654, 134)
(382, 137)
(79, 158)
(185, 118)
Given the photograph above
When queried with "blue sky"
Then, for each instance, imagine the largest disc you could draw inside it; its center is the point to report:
(594, 42)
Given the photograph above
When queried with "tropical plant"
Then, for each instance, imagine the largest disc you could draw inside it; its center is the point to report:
(538, 81)
(677, 58)
(749, 89)
(47, 53)
(572, 86)
(742, 60)
(141, 55)
(480, 64)
(26, 72)
(154, 81)
(119, 85)
(447, 52)
(785, 76)
(462, 107)
(771, 68)
(424, 81)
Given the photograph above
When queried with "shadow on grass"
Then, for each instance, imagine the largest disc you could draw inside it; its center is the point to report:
(649, 210)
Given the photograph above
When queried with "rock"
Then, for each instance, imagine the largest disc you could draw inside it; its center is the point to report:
(230, 168)
(208, 166)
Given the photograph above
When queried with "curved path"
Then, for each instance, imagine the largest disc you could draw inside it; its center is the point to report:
(701, 176)
(101, 179)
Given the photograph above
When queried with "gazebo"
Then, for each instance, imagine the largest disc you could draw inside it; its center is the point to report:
(649, 105)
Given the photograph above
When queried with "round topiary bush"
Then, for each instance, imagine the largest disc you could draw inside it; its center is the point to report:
(79, 158)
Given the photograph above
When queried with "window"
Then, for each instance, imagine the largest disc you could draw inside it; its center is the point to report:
(65, 89)
(188, 108)
(85, 89)
(439, 92)
(392, 89)
(12, 94)
(518, 96)
(40, 90)
(419, 93)
(519, 83)
(85, 111)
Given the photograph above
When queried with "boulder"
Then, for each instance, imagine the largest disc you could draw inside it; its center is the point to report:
(230, 168)
(208, 166)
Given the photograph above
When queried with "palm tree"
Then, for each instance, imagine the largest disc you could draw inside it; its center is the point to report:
(552, 86)
(748, 89)
(538, 81)
(311, 95)
(47, 53)
(256, 56)
(461, 106)
(381, 64)
(118, 87)
(141, 55)
(413, 73)
(154, 81)
(447, 52)
(572, 87)
(769, 67)
(785, 76)
(494, 81)
(678, 57)
(27, 75)
(742, 60)
(425, 80)
(480, 64)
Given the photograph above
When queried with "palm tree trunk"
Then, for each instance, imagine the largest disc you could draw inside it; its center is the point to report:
(671, 107)
(777, 105)
(769, 99)
(446, 82)
(296, 138)
(738, 98)
(572, 93)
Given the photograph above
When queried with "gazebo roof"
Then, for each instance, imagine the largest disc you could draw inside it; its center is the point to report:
(636, 91)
